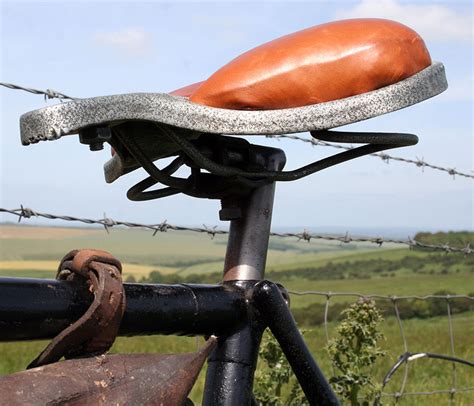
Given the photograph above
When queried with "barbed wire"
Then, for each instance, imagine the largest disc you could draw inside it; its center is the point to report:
(385, 157)
(52, 94)
(48, 93)
(392, 298)
(164, 226)
(407, 356)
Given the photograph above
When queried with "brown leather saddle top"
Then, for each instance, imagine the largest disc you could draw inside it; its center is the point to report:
(323, 63)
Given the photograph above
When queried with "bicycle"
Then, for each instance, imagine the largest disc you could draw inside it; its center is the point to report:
(189, 125)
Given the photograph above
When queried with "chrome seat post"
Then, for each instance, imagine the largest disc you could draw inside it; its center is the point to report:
(251, 217)
(249, 235)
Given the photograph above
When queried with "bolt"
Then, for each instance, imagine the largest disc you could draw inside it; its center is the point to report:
(95, 137)
(96, 146)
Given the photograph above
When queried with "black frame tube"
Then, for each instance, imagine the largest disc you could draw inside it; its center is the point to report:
(38, 308)
(233, 361)
(274, 311)
(235, 358)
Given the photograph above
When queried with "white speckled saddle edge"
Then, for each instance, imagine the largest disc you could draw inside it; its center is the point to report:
(53, 122)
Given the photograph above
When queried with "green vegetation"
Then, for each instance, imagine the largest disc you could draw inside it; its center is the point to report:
(422, 335)
(275, 383)
(453, 239)
(299, 266)
(183, 252)
(30, 273)
(365, 269)
(354, 351)
(313, 314)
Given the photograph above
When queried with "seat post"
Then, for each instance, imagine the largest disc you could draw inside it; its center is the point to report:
(249, 235)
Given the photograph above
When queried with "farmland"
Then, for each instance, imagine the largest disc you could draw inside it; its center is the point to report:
(320, 266)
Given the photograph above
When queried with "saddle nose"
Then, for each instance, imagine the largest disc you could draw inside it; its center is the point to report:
(323, 63)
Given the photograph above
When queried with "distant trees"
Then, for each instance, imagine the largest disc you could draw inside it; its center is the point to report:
(453, 238)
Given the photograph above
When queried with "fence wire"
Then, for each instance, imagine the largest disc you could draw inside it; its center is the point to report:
(52, 94)
(419, 162)
(48, 93)
(407, 356)
(164, 226)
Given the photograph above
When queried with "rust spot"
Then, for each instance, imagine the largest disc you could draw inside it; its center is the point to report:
(101, 384)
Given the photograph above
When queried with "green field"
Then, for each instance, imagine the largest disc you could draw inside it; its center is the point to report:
(184, 252)
(300, 266)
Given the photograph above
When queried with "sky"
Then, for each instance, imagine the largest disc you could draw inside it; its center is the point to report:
(87, 49)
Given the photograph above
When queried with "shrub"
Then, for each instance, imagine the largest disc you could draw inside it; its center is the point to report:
(354, 351)
(274, 375)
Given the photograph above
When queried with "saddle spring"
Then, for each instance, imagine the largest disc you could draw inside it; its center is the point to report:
(233, 166)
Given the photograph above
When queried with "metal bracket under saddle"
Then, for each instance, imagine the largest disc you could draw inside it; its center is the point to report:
(146, 127)
(233, 166)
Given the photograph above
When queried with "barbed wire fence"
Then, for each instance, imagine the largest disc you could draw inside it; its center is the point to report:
(164, 226)
(407, 356)
(419, 162)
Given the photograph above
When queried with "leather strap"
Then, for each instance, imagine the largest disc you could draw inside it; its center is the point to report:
(95, 331)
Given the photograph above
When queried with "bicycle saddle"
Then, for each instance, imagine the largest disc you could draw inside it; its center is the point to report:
(316, 79)
(320, 64)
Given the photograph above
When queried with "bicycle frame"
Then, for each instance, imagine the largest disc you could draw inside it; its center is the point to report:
(237, 311)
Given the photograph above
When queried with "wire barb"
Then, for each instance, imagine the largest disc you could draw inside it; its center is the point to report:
(48, 93)
(162, 227)
(25, 213)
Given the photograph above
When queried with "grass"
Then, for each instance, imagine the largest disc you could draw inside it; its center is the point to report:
(47, 269)
(201, 253)
(430, 335)
(393, 253)
(422, 335)
(36, 251)
(404, 285)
